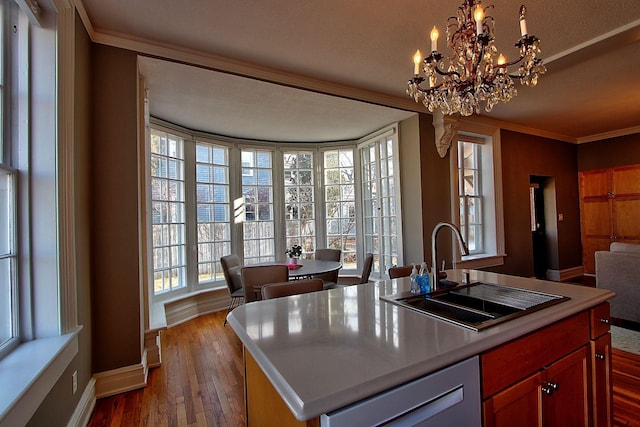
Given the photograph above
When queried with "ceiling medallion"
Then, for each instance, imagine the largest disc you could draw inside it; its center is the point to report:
(475, 73)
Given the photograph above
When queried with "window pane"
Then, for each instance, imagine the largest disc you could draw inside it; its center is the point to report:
(299, 204)
(257, 192)
(339, 191)
(470, 193)
(378, 200)
(8, 259)
(168, 212)
(213, 207)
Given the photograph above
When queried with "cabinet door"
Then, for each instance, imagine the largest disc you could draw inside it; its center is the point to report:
(519, 405)
(596, 215)
(601, 371)
(566, 392)
(626, 180)
(595, 183)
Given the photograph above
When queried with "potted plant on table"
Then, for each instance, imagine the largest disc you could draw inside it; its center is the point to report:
(294, 253)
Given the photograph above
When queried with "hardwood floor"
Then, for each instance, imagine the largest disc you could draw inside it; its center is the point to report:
(626, 388)
(200, 383)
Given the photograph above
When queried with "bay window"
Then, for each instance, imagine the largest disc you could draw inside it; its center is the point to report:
(213, 196)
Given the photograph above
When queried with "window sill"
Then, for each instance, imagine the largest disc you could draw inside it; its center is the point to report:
(480, 261)
(29, 372)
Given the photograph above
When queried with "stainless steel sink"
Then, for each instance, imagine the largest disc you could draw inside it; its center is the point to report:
(477, 306)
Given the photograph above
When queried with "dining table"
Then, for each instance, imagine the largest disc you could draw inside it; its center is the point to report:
(306, 268)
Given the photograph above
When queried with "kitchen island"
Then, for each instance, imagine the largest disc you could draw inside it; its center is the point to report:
(324, 351)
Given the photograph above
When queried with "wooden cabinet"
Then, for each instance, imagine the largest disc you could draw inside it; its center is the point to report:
(559, 395)
(543, 378)
(609, 208)
(264, 406)
(557, 376)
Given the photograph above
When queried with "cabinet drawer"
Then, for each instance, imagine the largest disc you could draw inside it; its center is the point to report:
(599, 320)
(507, 364)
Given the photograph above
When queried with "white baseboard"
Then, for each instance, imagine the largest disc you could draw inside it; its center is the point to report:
(152, 346)
(122, 379)
(196, 304)
(566, 274)
(82, 415)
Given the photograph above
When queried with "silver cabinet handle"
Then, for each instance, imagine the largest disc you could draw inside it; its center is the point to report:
(604, 320)
(600, 356)
(550, 388)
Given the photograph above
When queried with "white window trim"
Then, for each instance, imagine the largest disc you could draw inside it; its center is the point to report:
(391, 130)
(493, 258)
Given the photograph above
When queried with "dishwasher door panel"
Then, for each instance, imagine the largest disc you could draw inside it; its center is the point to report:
(449, 397)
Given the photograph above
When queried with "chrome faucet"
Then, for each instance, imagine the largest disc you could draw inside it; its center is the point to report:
(434, 256)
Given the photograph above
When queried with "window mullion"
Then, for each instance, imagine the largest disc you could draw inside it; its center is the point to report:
(320, 201)
(190, 214)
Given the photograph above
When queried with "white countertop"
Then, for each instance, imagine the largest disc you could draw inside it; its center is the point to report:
(325, 350)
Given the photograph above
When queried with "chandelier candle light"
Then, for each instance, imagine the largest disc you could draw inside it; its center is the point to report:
(472, 75)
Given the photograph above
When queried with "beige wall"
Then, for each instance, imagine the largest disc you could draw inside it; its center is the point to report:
(436, 191)
(114, 231)
(410, 183)
(621, 151)
(525, 155)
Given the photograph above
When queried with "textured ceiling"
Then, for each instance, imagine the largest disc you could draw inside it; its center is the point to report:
(591, 48)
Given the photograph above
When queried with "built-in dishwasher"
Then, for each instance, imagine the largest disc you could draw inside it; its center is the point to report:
(449, 397)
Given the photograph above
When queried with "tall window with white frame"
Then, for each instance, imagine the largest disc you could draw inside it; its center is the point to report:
(213, 224)
(340, 204)
(379, 201)
(470, 193)
(299, 206)
(9, 331)
(168, 212)
(257, 192)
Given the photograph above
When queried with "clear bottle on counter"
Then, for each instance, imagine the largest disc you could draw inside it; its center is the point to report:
(415, 288)
(423, 279)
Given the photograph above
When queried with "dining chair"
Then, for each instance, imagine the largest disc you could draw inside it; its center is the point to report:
(364, 277)
(366, 269)
(327, 254)
(283, 289)
(231, 270)
(254, 277)
(403, 271)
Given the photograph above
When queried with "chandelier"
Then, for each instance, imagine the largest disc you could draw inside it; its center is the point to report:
(472, 75)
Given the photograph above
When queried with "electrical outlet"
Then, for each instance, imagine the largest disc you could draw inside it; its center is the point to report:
(74, 382)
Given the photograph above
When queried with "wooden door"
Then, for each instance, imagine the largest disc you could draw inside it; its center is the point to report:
(596, 215)
(566, 394)
(625, 184)
(519, 405)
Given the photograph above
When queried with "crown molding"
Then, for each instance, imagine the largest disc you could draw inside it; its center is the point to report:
(484, 120)
(608, 135)
(228, 65)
